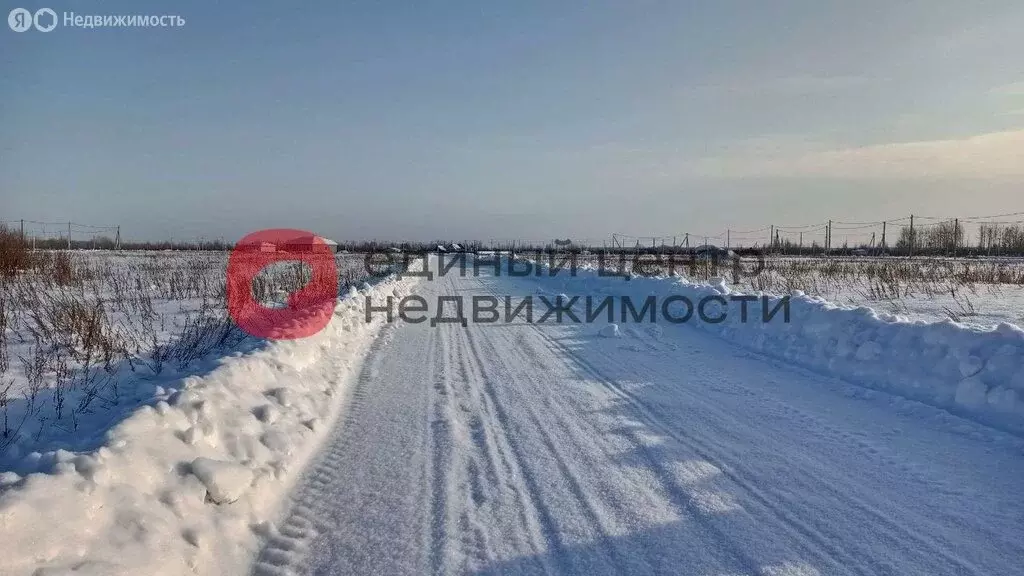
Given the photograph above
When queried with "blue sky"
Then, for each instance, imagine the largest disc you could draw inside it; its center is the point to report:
(520, 119)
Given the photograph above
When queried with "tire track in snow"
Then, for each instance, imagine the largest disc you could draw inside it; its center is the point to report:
(481, 374)
(367, 492)
(475, 473)
(815, 540)
(535, 513)
(467, 465)
(440, 447)
(287, 547)
(735, 554)
(586, 502)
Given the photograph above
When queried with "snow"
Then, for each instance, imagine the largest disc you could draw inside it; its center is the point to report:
(543, 448)
(925, 361)
(961, 289)
(163, 318)
(225, 482)
(971, 393)
(846, 441)
(987, 307)
(177, 487)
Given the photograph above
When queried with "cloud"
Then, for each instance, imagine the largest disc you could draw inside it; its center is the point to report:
(783, 85)
(984, 156)
(1014, 89)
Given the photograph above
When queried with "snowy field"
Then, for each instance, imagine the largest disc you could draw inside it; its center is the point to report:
(974, 291)
(145, 434)
(90, 336)
(980, 292)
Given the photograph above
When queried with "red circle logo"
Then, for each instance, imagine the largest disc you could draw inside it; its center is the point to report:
(308, 310)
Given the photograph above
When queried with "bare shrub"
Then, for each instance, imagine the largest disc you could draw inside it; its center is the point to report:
(78, 330)
(15, 255)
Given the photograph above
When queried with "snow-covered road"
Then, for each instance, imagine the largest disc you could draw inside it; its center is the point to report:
(527, 448)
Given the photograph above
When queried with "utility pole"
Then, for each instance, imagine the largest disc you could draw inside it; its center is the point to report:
(882, 245)
(956, 234)
(23, 231)
(771, 237)
(69, 235)
(828, 237)
(728, 239)
(117, 239)
(800, 251)
(913, 240)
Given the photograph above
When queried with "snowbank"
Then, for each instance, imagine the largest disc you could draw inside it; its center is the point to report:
(180, 487)
(970, 371)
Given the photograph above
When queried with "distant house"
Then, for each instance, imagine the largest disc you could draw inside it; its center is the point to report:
(311, 244)
(332, 246)
(257, 247)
